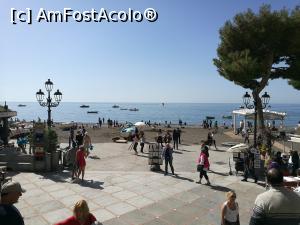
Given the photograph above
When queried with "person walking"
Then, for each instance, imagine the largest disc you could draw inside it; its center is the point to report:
(211, 140)
(159, 138)
(175, 138)
(142, 141)
(249, 166)
(135, 142)
(10, 194)
(87, 142)
(246, 137)
(179, 135)
(230, 210)
(203, 164)
(81, 215)
(167, 155)
(80, 161)
(278, 205)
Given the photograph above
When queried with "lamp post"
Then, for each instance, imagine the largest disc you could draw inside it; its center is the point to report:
(40, 97)
(247, 99)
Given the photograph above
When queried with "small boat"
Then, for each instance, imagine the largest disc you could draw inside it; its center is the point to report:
(21, 105)
(84, 106)
(134, 109)
(123, 109)
(115, 106)
(96, 112)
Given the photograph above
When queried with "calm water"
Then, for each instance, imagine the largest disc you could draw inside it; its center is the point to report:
(192, 113)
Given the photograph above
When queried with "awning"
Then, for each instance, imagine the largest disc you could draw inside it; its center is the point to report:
(268, 115)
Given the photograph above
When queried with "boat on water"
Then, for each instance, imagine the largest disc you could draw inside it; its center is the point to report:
(84, 106)
(134, 109)
(123, 109)
(21, 105)
(95, 112)
(115, 106)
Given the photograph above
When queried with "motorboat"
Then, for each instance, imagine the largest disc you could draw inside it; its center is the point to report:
(84, 106)
(115, 106)
(95, 112)
(134, 109)
(21, 105)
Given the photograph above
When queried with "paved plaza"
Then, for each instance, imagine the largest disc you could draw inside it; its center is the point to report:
(120, 189)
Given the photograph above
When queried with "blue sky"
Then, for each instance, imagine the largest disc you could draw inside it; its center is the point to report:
(169, 60)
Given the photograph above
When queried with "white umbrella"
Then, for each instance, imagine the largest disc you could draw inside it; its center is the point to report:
(238, 148)
(139, 124)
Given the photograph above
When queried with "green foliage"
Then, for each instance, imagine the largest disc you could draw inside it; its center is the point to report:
(295, 83)
(262, 46)
(51, 140)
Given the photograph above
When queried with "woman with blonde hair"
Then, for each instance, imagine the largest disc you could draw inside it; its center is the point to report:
(81, 215)
(230, 210)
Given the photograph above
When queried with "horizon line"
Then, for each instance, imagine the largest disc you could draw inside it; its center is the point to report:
(115, 102)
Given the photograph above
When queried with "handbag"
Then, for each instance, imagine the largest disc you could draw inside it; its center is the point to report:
(199, 167)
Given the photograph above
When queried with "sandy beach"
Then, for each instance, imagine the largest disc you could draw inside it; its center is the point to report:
(189, 135)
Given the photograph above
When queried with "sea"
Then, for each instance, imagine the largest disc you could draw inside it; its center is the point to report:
(191, 113)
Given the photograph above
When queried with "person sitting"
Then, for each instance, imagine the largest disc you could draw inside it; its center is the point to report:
(278, 205)
(81, 215)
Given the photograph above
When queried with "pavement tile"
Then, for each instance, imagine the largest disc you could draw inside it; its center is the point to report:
(21, 204)
(61, 193)
(70, 200)
(156, 209)
(112, 189)
(102, 215)
(28, 212)
(128, 184)
(172, 203)
(123, 195)
(156, 195)
(141, 189)
(53, 187)
(120, 208)
(139, 201)
(136, 217)
(33, 192)
(115, 221)
(175, 217)
(156, 221)
(57, 215)
(35, 220)
(106, 200)
(186, 196)
(28, 186)
(48, 206)
(39, 199)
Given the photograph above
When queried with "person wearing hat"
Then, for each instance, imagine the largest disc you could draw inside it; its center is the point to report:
(10, 194)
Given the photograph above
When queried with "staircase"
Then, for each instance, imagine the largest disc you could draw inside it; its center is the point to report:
(15, 160)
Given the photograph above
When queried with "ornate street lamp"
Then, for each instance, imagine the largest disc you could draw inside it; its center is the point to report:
(57, 97)
(247, 101)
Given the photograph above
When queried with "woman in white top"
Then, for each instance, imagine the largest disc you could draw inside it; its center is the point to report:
(230, 210)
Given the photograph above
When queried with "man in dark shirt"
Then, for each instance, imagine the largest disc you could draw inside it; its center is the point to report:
(167, 154)
(9, 214)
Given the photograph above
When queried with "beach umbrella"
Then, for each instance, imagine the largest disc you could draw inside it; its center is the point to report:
(238, 148)
(126, 132)
(139, 124)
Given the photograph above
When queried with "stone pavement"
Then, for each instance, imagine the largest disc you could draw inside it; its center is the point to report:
(120, 190)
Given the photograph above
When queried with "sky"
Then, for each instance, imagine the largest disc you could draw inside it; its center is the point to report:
(169, 60)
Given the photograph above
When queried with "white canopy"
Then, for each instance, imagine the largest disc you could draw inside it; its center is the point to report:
(249, 114)
(268, 115)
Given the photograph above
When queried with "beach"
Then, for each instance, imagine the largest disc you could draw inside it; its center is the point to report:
(189, 135)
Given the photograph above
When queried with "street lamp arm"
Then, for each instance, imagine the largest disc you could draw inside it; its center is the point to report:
(250, 106)
(44, 104)
(54, 104)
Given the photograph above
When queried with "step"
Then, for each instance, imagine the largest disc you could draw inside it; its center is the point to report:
(26, 167)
